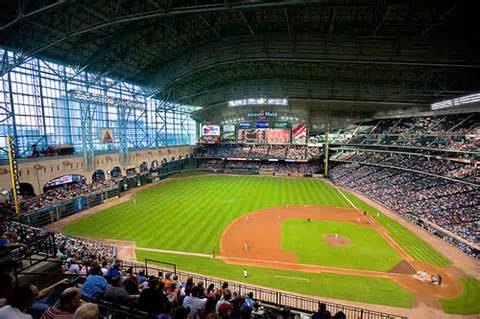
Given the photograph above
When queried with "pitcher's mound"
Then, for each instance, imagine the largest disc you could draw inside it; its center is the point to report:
(403, 267)
(338, 242)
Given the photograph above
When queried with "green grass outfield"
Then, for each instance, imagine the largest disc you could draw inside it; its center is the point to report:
(355, 288)
(190, 215)
(367, 250)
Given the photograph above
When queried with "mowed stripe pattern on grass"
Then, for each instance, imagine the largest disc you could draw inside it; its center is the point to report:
(190, 215)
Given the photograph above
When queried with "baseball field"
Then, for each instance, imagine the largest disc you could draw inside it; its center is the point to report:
(295, 234)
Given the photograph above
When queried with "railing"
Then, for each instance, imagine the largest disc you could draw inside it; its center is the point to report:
(264, 295)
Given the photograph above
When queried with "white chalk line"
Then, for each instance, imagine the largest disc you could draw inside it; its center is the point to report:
(176, 252)
(294, 278)
(346, 198)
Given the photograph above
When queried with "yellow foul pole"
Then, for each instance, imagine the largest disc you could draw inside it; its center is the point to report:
(326, 155)
(12, 173)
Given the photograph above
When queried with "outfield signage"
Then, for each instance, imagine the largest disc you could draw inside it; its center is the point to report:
(262, 124)
(245, 125)
(280, 125)
(262, 114)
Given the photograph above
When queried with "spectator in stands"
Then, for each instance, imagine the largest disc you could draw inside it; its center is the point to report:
(340, 315)
(69, 301)
(153, 299)
(116, 293)
(225, 299)
(225, 310)
(22, 297)
(322, 312)
(180, 313)
(131, 285)
(114, 271)
(87, 311)
(194, 302)
(40, 304)
(95, 285)
(250, 301)
(74, 266)
(6, 286)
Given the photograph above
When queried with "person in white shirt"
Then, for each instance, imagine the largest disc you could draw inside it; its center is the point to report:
(195, 303)
(22, 297)
(74, 267)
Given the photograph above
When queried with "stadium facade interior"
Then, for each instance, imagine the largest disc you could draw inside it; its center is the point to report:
(117, 108)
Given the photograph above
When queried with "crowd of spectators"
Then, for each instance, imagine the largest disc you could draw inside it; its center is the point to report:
(459, 132)
(439, 166)
(62, 193)
(453, 206)
(292, 152)
(274, 168)
(95, 285)
(288, 169)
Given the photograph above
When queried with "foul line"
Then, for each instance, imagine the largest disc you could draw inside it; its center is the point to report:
(176, 252)
(294, 278)
(346, 198)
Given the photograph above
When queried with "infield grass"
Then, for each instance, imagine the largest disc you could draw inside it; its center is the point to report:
(367, 249)
(355, 288)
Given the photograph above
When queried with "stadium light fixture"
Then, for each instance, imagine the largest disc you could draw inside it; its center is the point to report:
(467, 99)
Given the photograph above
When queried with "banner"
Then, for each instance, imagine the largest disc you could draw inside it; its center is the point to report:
(211, 130)
(299, 134)
(106, 136)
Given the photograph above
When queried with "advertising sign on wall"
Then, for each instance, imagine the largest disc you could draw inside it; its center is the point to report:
(229, 128)
(299, 134)
(245, 125)
(280, 125)
(106, 136)
(262, 124)
(277, 136)
(211, 130)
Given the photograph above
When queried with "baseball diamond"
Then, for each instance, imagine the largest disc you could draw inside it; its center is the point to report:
(239, 159)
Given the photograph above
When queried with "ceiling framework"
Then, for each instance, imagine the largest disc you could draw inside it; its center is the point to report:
(206, 52)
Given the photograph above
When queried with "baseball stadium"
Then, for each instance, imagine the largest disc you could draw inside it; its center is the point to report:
(239, 159)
